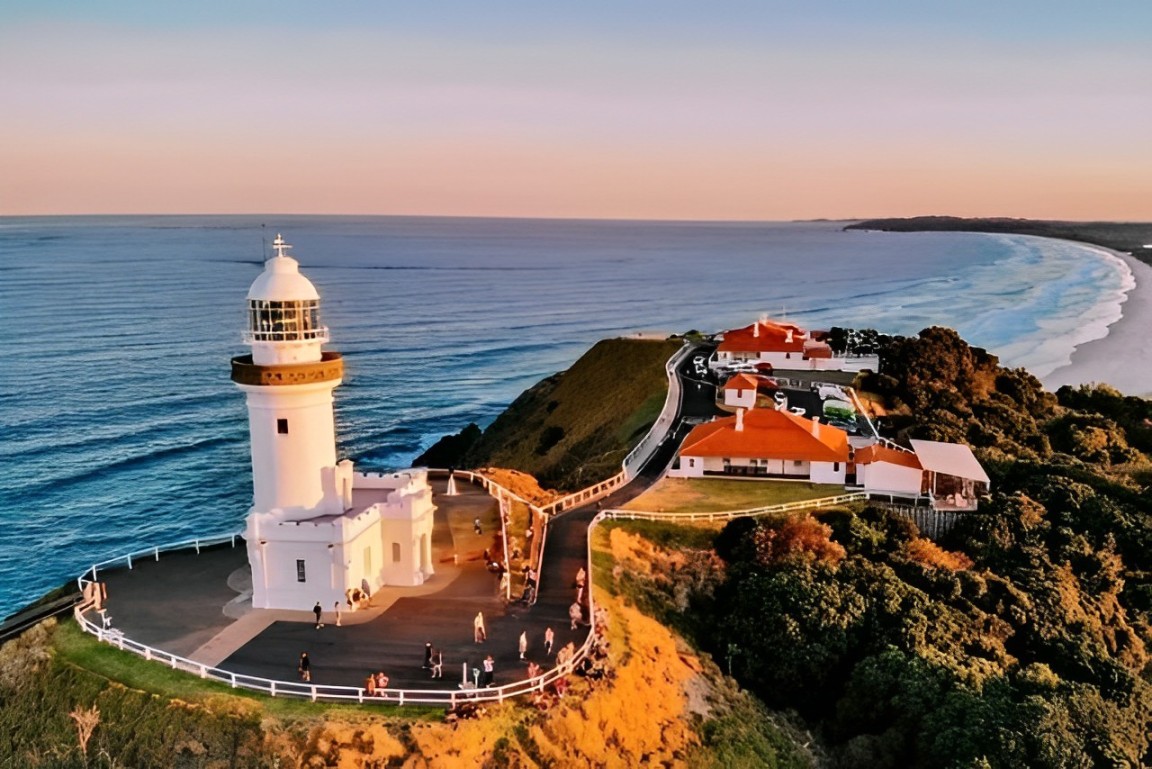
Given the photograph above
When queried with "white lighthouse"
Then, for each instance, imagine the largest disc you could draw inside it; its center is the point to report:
(317, 531)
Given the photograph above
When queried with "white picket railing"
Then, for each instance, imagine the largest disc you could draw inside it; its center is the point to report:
(727, 515)
(315, 692)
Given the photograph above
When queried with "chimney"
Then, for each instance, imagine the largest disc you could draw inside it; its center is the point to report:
(739, 420)
(756, 329)
(788, 336)
(815, 427)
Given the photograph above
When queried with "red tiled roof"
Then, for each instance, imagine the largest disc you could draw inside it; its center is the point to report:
(878, 452)
(817, 350)
(741, 382)
(772, 337)
(767, 434)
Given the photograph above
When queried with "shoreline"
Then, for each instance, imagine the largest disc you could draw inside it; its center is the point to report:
(1122, 358)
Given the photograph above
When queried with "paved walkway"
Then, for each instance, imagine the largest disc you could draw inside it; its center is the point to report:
(196, 605)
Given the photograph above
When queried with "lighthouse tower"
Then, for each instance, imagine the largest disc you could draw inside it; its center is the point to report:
(289, 381)
(317, 532)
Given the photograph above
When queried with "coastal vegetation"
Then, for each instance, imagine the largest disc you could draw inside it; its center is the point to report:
(1121, 236)
(573, 428)
(1018, 639)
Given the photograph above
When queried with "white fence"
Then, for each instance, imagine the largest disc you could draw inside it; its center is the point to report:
(317, 692)
(727, 515)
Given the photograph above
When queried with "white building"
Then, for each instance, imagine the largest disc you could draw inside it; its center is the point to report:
(785, 346)
(317, 530)
(946, 474)
(765, 443)
(740, 391)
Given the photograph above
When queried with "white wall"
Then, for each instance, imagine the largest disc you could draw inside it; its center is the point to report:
(293, 472)
(828, 472)
(743, 398)
(885, 476)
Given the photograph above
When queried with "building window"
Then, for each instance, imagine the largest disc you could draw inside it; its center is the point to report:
(395, 552)
(797, 463)
(367, 560)
(691, 462)
(282, 426)
(300, 575)
(835, 467)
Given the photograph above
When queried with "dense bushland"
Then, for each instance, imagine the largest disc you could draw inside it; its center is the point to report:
(1021, 639)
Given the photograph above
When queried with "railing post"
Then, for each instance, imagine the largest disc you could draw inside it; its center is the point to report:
(313, 687)
(272, 689)
(401, 697)
(156, 551)
(203, 671)
(147, 652)
(232, 678)
(129, 562)
(197, 547)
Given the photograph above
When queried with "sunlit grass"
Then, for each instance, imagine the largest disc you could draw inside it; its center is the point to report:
(707, 495)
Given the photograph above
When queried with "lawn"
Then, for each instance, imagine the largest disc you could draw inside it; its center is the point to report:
(707, 495)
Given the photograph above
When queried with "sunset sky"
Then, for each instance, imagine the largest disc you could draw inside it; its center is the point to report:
(663, 109)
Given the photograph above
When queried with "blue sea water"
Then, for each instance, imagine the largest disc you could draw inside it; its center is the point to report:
(121, 428)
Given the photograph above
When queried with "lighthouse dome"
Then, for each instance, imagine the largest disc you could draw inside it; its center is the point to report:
(281, 281)
(284, 313)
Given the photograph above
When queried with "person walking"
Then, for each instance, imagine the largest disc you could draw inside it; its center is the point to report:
(318, 611)
(575, 614)
(427, 655)
(304, 667)
(336, 608)
(476, 525)
(549, 637)
(489, 668)
(523, 644)
(479, 633)
(437, 664)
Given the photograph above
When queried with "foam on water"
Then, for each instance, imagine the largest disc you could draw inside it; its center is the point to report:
(122, 429)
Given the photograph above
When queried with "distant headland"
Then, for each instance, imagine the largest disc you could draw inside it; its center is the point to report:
(1120, 236)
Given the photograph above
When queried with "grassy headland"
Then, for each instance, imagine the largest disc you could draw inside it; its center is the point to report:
(1121, 236)
(575, 427)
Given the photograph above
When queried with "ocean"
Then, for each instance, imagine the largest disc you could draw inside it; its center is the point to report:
(121, 428)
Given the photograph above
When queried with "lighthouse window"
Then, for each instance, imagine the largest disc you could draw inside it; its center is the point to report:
(396, 552)
(300, 575)
(272, 320)
(282, 426)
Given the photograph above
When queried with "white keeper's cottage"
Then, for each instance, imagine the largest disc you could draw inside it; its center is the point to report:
(317, 530)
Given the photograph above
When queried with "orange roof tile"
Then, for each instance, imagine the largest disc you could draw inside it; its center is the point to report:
(772, 337)
(741, 382)
(878, 452)
(767, 434)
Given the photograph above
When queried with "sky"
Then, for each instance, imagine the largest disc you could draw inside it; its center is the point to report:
(627, 109)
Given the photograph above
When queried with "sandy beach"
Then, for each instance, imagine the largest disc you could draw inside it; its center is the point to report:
(1123, 358)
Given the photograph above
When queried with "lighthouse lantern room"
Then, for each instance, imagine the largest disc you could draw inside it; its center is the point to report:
(317, 530)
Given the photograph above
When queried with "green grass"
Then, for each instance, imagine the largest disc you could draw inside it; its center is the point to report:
(573, 429)
(707, 495)
(81, 650)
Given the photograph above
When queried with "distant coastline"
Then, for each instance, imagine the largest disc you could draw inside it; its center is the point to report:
(1122, 357)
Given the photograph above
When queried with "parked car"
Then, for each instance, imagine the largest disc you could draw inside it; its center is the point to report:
(838, 409)
(764, 368)
(780, 397)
